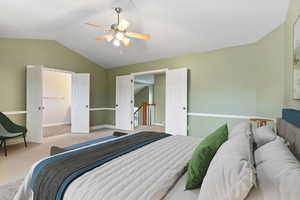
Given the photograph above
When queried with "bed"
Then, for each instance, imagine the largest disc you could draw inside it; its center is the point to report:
(146, 168)
(277, 162)
(144, 165)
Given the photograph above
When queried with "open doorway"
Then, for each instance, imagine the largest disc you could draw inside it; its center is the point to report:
(149, 101)
(56, 101)
(57, 88)
(171, 114)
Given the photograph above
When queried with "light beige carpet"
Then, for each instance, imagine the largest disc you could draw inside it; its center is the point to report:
(56, 130)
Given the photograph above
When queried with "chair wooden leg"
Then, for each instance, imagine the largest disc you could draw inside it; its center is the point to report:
(24, 137)
(5, 149)
(1, 144)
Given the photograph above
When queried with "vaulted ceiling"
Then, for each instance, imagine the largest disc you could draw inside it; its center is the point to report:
(177, 27)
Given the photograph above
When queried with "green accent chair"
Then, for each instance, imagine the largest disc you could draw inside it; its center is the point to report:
(9, 130)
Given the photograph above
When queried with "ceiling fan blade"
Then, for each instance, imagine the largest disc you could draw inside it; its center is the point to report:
(123, 25)
(138, 35)
(98, 26)
(108, 37)
(126, 42)
(101, 38)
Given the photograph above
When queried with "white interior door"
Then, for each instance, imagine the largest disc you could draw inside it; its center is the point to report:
(124, 102)
(176, 101)
(34, 103)
(80, 109)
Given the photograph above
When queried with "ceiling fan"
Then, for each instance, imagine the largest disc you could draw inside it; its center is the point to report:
(119, 34)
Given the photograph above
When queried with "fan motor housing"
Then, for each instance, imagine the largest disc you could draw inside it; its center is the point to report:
(118, 10)
(114, 27)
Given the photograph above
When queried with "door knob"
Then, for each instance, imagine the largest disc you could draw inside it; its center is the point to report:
(87, 106)
(116, 105)
(184, 108)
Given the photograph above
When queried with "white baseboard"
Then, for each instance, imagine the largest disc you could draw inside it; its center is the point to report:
(57, 124)
(102, 126)
(158, 124)
(14, 141)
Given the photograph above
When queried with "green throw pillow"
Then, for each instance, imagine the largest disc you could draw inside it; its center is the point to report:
(203, 155)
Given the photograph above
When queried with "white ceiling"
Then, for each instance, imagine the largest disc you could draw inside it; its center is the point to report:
(177, 27)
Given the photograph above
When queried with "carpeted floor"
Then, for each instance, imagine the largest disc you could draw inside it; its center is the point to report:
(56, 130)
(19, 160)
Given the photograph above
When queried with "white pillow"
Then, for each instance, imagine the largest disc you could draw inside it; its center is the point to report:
(264, 135)
(230, 175)
(238, 129)
(278, 171)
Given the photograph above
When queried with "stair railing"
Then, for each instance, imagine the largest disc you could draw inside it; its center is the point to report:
(144, 115)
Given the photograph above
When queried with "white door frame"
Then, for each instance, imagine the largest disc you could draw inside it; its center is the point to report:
(57, 70)
(151, 72)
(45, 68)
(164, 70)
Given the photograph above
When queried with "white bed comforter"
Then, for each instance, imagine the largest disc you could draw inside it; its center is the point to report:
(146, 173)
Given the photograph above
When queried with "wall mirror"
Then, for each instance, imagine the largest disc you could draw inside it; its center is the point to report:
(296, 62)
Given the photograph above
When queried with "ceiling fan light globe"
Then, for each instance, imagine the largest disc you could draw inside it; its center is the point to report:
(116, 42)
(119, 35)
(123, 25)
(109, 37)
(126, 41)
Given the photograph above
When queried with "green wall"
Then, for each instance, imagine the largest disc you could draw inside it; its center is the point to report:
(275, 53)
(141, 97)
(159, 98)
(269, 57)
(15, 54)
(221, 82)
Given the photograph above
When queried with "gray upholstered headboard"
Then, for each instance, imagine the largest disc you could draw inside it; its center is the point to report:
(291, 134)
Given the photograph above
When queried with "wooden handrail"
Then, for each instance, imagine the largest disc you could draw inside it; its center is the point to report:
(144, 106)
(139, 108)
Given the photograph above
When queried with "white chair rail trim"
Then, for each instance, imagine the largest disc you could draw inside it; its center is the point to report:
(228, 116)
(15, 112)
(189, 114)
(97, 109)
(24, 111)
